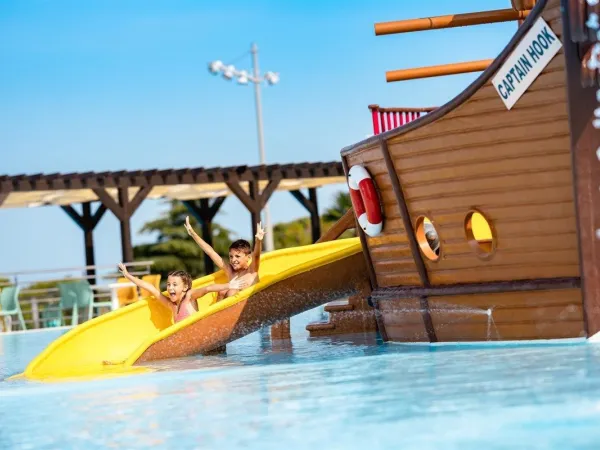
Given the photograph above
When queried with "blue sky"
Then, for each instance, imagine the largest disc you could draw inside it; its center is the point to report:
(101, 85)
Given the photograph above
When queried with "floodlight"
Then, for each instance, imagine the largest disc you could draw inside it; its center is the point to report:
(272, 77)
(215, 66)
(228, 72)
(243, 77)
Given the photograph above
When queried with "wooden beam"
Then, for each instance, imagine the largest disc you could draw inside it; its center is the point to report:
(246, 199)
(412, 238)
(125, 225)
(303, 201)
(346, 222)
(108, 202)
(449, 21)
(98, 215)
(265, 195)
(310, 204)
(403, 110)
(216, 205)
(204, 213)
(254, 214)
(495, 287)
(254, 201)
(74, 215)
(87, 222)
(123, 210)
(315, 220)
(3, 197)
(437, 71)
(585, 142)
(138, 198)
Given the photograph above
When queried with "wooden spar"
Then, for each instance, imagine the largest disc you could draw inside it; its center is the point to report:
(437, 71)
(449, 21)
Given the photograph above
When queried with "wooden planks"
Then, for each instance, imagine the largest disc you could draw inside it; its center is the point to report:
(514, 166)
(527, 315)
(515, 316)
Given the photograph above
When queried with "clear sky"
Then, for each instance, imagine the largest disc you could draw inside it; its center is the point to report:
(100, 85)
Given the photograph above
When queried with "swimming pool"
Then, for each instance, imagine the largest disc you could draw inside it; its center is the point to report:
(329, 393)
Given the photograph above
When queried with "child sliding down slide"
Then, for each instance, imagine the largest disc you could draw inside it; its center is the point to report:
(243, 262)
(181, 299)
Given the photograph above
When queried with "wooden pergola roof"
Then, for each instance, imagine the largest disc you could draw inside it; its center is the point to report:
(123, 192)
(179, 184)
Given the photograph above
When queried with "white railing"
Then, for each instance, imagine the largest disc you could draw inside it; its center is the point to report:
(40, 306)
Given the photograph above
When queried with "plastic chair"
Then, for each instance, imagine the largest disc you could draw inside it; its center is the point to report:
(127, 295)
(75, 295)
(154, 280)
(9, 305)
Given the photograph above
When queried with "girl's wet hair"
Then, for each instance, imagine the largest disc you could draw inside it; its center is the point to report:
(185, 277)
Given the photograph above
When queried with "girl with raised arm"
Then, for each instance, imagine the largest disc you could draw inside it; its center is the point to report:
(181, 297)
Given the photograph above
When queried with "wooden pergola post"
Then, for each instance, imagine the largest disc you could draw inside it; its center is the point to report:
(87, 222)
(204, 212)
(312, 207)
(254, 201)
(123, 210)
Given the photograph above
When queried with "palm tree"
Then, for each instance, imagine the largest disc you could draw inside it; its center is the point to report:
(341, 205)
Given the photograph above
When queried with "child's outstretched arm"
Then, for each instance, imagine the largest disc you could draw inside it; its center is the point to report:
(260, 234)
(204, 246)
(235, 283)
(145, 285)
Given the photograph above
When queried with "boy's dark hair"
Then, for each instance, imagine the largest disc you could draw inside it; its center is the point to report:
(185, 277)
(241, 244)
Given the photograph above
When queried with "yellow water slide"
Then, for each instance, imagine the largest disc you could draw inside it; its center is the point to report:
(291, 281)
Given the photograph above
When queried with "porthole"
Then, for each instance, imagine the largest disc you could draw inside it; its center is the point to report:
(480, 234)
(428, 238)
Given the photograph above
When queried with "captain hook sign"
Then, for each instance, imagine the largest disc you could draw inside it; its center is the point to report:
(526, 62)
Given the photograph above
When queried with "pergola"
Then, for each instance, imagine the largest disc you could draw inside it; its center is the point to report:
(201, 190)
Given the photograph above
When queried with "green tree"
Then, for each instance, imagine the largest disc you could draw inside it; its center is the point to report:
(341, 204)
(174, 249)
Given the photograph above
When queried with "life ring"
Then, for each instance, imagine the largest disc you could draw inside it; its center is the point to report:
(365, 200)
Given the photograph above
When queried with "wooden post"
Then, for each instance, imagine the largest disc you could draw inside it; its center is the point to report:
(87, 222)
(450, 21)
(346, 222)
(204, 212)
(437, 71)
(254, 201)
(311, 206)
(585, 142)
(123, 210)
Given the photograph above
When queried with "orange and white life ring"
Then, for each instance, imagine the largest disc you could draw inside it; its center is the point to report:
(365, 200)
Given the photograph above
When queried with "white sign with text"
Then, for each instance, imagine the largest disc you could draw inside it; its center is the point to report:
(526, 62)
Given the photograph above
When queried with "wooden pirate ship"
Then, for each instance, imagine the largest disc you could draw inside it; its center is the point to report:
(488, 207)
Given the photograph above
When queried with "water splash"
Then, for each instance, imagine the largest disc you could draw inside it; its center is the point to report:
(449, 309)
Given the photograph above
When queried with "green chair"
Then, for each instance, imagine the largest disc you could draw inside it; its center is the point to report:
(9, 304)
(73, 296)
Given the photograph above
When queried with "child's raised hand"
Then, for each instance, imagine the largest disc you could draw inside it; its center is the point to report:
(123, 269)
(187, 225)
(237, 284)
(260, 231)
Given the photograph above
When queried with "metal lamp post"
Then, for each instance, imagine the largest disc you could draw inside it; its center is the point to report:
(229, 72)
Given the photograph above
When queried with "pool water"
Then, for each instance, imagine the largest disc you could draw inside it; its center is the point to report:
(345, 393)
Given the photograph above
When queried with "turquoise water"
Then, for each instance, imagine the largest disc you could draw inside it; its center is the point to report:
(347, 393)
